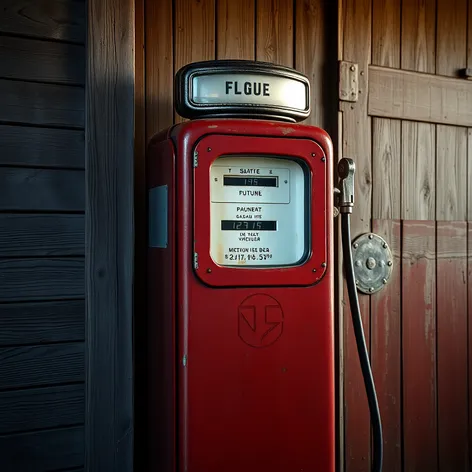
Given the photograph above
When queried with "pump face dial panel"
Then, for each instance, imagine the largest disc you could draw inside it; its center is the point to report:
(258, 211)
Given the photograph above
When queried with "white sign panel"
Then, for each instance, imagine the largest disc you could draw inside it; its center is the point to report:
(257, 212)
(252, 89)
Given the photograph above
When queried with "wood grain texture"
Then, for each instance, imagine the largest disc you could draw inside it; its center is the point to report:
(357, 451)
(418, 166)
(41, 147)
(452, 346)
(41, 279)
(51, 19)
(312, 57)
(235, 24)
(469, 35)
(42, 61)
(41, 408)
(140, 236)
(25, 189)
(419, 97)
(451, 172)
(42, 322)
(386, 26)
(48, 450)
(109, 236)
(418, 37)
(469, 331)
(41, 235)
(41, 104)
(386, 348)
(386, 160)
(469, 172)
(274, 31)
(451, 36)
(159, 65)
(420, 447)
(357, 144)
(194, 33)
(357, 141)
(41, 365)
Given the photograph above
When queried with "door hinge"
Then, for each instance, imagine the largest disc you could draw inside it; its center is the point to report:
(195, 158)
(348, 81)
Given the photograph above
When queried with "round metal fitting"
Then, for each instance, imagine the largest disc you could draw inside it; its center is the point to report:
(372, 262)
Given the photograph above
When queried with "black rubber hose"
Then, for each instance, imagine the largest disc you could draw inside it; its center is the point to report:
(361, 345)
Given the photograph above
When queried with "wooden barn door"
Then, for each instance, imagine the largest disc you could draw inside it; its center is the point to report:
(410, 133)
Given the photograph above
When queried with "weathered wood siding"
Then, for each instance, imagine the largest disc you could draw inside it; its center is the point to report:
(172, 33)
(42, 197)
(109, 236)
(411, 138)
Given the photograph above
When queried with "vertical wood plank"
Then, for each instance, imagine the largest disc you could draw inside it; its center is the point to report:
(357, 132)
(451, 165)
(418, 171)
(469, 177)
(386, 305)
(451, 37)
(139, 293)
(357, 21)
(418, 35)
(340, 48)
(339, 282)
(274, 31)
(340, 309)
(386, 149)
(452, 346)
(419, 346)
(469, 35)
(386, 347)
(469, 333)
(235, 29)
(310, 53)
(159, 66)
(194, 33)
(386, 33)
(109, 162)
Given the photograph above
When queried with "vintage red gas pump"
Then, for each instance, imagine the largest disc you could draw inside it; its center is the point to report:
(241, 302)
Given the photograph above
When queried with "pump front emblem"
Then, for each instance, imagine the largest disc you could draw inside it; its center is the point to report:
(260, 320)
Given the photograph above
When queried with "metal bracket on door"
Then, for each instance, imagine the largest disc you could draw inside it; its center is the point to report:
(348, 81)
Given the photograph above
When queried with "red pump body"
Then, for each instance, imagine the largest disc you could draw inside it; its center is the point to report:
(227, 394)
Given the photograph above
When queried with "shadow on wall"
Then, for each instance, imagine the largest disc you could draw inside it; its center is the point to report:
(110, 240)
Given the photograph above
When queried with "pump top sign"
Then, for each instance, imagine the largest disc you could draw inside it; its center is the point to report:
(239, 88)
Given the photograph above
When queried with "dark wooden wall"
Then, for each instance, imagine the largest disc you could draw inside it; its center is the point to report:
(109, 236)
(42, 73)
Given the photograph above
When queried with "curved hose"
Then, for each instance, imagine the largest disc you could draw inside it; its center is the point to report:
(361, 345)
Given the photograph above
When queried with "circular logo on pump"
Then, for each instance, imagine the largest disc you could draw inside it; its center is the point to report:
(260, 320)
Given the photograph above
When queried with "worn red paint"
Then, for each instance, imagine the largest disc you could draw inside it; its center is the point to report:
(356, 409)
(386, 347)
(419, 346)
(452, 345)
(240, 407)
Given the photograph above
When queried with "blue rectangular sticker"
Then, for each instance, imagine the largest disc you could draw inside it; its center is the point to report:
(158, 209)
